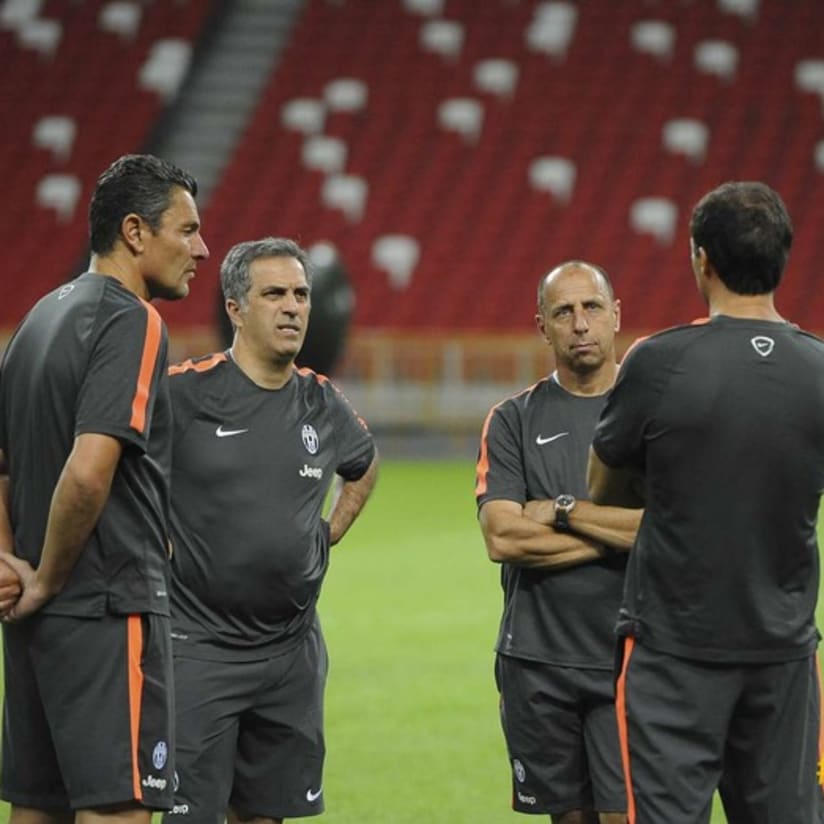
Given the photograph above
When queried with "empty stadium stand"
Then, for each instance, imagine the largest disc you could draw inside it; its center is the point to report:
(90, 84)
(592, 86)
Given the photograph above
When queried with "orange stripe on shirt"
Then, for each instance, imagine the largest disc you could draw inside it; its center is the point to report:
(696, 322)
(482, 467)
(151, 346)
(820, 771)
(307, 372)
(203, 365)
(321, 379)
(135, 644)
(623, 732)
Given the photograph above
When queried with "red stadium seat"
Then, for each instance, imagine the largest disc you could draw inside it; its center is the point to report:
(594, 93)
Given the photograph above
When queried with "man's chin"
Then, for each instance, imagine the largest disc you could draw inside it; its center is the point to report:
(288, 353)
(586, 364)
(178, 293)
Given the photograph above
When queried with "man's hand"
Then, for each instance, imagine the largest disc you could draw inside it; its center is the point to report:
(10, 587)
(34, 594)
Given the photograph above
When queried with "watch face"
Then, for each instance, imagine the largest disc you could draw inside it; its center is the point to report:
(564, 504)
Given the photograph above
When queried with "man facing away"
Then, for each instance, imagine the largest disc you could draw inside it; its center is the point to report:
(561, 577)
(85, 433)
(257, 445)
(722, 422)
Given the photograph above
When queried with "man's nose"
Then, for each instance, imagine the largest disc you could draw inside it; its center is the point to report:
(200, 250)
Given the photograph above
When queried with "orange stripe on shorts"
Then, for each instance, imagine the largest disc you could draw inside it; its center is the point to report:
(135, 642)
(820, 765)
(623, 733)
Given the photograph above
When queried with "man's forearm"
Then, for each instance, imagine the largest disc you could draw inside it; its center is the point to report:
(78, 500)
(610, 486)
(75, 509)
(6, 535)
(512, 537)
(549, 551)
(350, 501)
(611, 525)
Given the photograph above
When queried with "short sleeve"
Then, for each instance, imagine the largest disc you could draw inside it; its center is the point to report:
(500, 470)
(619, 439)
(185, 403)
(126, 365)
(356, 448)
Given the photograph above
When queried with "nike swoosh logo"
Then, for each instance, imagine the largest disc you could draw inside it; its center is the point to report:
(310, 796)
(227, 433)
(541, 441)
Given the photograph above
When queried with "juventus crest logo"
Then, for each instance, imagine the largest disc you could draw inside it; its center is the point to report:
(763, 345)
(309, 436)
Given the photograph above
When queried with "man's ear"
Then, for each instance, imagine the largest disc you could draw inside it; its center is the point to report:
(541, 324)
(700, 261)
(132, 231)
(234, 313)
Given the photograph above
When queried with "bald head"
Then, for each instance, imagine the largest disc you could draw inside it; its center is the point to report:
(578, 317)
(569, 267)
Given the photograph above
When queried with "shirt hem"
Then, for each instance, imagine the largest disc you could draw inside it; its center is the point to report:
(722, 656)
(558, 662)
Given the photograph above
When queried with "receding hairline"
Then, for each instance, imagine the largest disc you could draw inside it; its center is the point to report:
(265, 259)
(569, 265)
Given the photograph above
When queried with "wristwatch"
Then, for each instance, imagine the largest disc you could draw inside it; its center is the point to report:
(564, 504)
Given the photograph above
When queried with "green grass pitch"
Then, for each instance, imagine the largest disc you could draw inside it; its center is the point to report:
(410, 609)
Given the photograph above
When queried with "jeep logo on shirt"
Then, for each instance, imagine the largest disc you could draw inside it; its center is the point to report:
(311, 472)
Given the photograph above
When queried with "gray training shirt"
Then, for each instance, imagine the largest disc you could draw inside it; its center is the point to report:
(535, 446)
(251, 469)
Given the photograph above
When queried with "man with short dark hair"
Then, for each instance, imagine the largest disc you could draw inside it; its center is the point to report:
(257, 445)
(721, 425)
(561, 577)
(85, 434)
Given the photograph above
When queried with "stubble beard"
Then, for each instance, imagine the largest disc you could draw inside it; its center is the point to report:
(164, 292)
(586, 365)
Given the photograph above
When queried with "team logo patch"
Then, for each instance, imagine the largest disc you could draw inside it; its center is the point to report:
(518, 769)
(159, 755)
(763, 345)
(310, 438)
(66, 290)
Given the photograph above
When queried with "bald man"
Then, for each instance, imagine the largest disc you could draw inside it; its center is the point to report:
(562, 561)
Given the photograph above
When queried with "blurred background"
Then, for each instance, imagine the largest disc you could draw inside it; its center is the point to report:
(436, 156)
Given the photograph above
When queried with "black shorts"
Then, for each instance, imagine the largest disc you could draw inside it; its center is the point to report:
(89, 708)
(562, 737)
(750, 730)
(250, 735)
